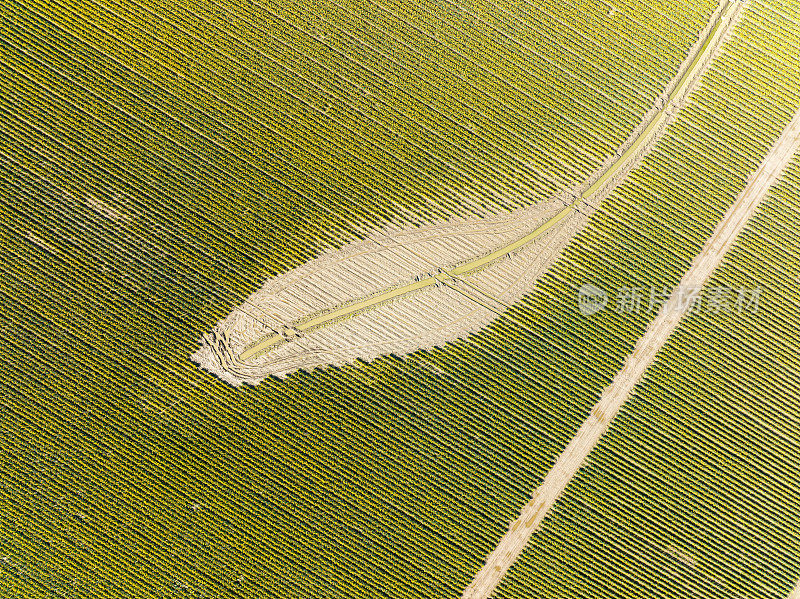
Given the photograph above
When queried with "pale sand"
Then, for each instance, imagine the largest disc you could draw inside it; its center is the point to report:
(616, 394)
(405, 290)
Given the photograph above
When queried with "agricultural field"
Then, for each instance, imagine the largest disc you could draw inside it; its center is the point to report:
(694, 489)
(160, 161)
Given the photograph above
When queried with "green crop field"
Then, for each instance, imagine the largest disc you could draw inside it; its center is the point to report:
(159, 161)
(694, 490)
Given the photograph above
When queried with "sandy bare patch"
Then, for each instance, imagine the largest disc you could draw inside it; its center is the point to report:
(104, 208)
(417, 288)
(36, 240)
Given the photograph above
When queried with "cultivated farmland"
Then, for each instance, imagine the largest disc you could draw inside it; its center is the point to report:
(160, 161)
(695, 488)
